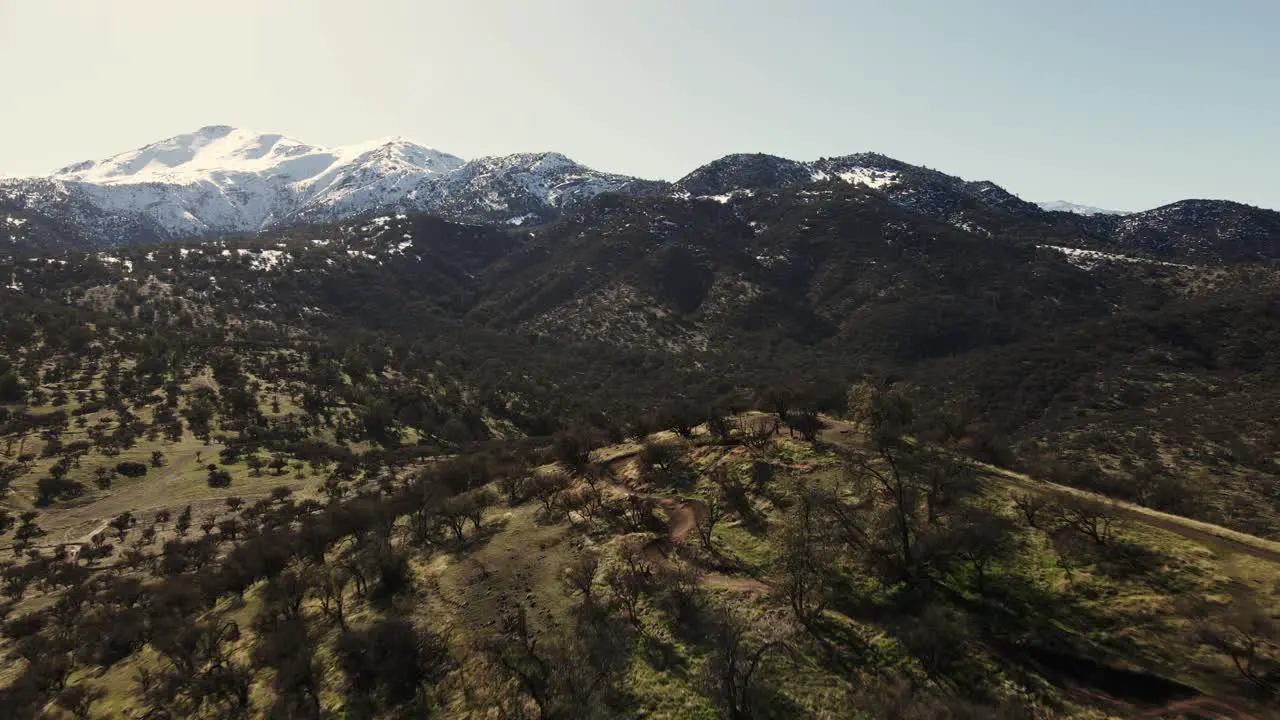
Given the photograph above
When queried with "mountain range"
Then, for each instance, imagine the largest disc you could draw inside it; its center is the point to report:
(333, 360)
(220, 181)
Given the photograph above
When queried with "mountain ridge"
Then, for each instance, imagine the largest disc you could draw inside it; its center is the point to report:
(220, 181)
(223, 180)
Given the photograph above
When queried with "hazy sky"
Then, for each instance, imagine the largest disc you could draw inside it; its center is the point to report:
(1119, 103)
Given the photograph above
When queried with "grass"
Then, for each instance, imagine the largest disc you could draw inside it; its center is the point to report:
(1131, 616)
(514, 561)
(181, 481)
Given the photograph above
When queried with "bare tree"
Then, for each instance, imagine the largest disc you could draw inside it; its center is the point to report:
(1095, 519)
(901, 491)
(580, 574)
(330, 585)
(1247, 634)
(979, 540)
(547, 488)
(732, 677)
(569, 675)
(1034, 508)
(709, 514)
(801, 566)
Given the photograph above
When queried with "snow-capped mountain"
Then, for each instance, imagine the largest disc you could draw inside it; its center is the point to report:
(521, 189)
(221, 180)
(1076, 208)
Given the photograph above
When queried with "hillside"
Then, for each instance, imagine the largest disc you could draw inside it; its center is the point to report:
(775, 441)
(730, 569)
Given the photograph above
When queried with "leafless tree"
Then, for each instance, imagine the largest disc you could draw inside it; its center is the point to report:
(732, 677)
(580, 574)
(1247, 634)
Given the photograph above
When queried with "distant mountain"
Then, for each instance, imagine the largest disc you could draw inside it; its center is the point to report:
(522, 189)
(221, 180)
(937, 195)
(1217, 230)
(743, 172)
(1070, 207)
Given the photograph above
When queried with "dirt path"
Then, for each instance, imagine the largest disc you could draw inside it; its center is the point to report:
(1201, 707)
(88, 537)
(1208, 534)
(681, 519)
(1213, 536)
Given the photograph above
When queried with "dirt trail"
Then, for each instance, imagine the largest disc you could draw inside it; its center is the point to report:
(88, 537)
(1201, 707)
(1208, 534)
(682, 518)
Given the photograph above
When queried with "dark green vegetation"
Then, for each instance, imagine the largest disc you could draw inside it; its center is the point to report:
(400, 467)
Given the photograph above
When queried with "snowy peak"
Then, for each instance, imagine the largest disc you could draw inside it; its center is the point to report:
(1070, 207)
(185, 157)
(220, 180)
(219, 151)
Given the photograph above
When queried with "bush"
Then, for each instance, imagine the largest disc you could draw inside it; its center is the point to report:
(132, 469)
(52, 488)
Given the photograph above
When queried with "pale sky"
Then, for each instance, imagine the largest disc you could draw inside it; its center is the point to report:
(1124, 104)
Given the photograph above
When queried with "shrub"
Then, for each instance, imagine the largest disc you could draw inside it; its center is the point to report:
(132, 469)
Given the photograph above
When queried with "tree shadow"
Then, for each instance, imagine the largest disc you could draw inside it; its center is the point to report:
(1124, 560)
(663, 655)
(843, 649)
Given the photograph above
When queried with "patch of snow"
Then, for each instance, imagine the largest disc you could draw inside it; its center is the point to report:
(874, 179)
(1089, 259)
(870, 177)
(969, 227)
(112, 260)
(727, 197)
